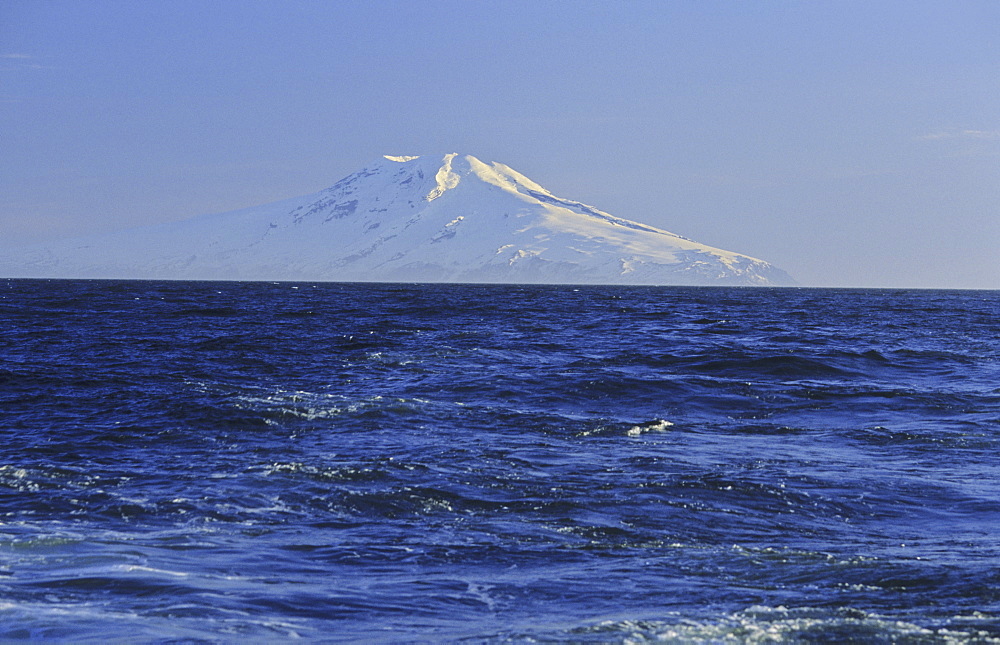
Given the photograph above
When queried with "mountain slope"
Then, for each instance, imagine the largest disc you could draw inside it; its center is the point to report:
(453, 219)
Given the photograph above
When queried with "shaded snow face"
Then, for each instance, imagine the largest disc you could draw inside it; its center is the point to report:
(407, 218)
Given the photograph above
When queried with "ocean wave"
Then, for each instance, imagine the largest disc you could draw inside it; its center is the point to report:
(761, 624)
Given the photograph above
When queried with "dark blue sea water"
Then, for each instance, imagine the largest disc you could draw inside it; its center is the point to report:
(224, 462)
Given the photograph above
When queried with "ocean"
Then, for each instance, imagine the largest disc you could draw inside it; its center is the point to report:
(223, 462)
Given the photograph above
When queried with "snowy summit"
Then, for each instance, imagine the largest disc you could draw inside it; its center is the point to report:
(405, 219)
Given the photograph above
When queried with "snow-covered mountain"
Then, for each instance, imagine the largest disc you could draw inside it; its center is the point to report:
(404, 219)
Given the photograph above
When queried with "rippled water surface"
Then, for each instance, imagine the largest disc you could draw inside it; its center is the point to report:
(227, 461)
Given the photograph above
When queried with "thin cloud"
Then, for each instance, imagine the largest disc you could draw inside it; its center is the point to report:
(14, 62)
(961, 134)
(982, 134)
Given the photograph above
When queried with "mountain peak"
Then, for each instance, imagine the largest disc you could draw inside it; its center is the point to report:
(446, 218)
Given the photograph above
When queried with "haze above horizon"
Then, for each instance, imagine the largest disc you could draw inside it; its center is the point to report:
(849, 143)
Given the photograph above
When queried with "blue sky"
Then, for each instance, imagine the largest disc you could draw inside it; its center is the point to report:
(850, 143)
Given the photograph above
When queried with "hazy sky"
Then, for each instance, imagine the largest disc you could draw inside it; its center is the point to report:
(850, 143)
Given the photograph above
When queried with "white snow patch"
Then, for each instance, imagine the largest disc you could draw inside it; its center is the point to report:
(521, 255)
(401, 159)
(446, 178)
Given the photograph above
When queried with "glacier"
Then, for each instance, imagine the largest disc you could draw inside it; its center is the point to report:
(450, 218)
